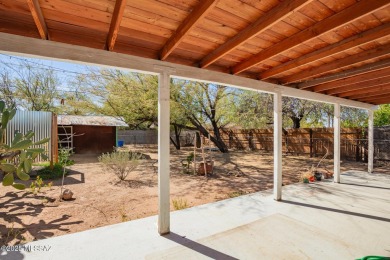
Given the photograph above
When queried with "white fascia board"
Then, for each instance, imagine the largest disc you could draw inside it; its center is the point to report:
(31, 47)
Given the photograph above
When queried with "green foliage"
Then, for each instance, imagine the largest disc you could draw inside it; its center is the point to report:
(179, 203)
(121, 163)
(18, 157)
(64, 155)
(49, 173)
(382, 115)
(38, 184)
(29, 86)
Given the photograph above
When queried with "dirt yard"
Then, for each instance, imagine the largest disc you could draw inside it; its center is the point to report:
(100, 199)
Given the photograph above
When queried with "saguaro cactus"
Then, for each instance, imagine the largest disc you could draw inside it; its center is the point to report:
(18, 157)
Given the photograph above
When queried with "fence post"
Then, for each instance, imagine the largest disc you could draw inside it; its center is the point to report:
(311, 142)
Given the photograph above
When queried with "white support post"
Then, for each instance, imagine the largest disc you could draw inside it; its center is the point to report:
(336, 150)
(277, 146)
(163, 153)
(370, 141)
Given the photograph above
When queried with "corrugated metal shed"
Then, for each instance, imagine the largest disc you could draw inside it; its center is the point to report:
(89, 120)
(38, 121)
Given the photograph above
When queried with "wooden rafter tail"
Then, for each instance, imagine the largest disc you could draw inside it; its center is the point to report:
(265, 22)
(338, 64)
(116, 19)
(329, 50)
(185, 27)
(39, 20)
(345, 74)
(352, 80)
(333, 22)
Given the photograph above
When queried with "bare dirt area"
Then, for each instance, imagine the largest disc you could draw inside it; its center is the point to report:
(101, 199)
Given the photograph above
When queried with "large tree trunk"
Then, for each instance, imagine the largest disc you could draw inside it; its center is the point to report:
(176, 142)
(296, 122)
(217, 140)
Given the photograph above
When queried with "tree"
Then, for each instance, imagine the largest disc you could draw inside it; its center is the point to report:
(30, 87)
(251, 110)
(353, 117)
(18, 157)
(204, 105)
(382, 115)
(298, 109)
(131, 97)
(7, 90)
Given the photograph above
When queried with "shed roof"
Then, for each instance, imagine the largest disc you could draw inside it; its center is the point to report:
(89, 120)
(338, 48)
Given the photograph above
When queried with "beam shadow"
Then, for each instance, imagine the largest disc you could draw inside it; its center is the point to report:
(337, 210)
(202, 249)
(368, 186)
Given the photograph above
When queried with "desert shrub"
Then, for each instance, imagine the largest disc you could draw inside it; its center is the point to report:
(121, 163)
(179, 203)
(236, 194)
(48, 173)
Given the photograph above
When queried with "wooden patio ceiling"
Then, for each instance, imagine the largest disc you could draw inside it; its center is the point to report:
(339, 48)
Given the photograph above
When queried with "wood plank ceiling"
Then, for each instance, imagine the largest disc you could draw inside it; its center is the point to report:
(339, 48)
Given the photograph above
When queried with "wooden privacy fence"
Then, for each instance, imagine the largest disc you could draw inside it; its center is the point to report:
(304, 141)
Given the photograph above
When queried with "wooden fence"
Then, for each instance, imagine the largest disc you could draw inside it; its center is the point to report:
(304, 141)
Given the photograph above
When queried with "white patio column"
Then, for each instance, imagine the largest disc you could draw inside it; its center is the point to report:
(370, 141)
(278, 146)
(336, 150)
(163, 152)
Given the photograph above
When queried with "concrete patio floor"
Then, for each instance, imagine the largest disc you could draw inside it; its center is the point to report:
(323, 220)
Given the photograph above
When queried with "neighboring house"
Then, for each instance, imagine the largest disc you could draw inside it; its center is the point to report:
(88, 134)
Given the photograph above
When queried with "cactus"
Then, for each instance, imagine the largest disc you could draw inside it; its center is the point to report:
(18, 157)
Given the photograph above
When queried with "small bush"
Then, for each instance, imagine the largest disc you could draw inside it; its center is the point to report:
(50, 174)
(63, 156)
(236, 193)
(179, 203)
(121, 163)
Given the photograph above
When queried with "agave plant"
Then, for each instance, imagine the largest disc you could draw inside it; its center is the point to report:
(18, 157)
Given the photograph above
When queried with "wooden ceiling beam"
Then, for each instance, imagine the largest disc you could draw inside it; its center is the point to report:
(39, 20)
(265, 22)
(332, 49)
(116, 19)
(352, 80)
(371, 92)
(345, 74)
(378, 52)
(384, 100)
(190, 22)
(357, 86)
(333, 22)
(373, 99)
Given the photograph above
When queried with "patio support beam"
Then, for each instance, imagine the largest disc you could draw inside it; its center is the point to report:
(185, 27)
(29, 47)
(368, 68)
(336, 150)
(265, 22)
(346, 16)
(332, 49)
(370, 141)
(39, 20)
(116, 19)
(163, 152)
(278, 146)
